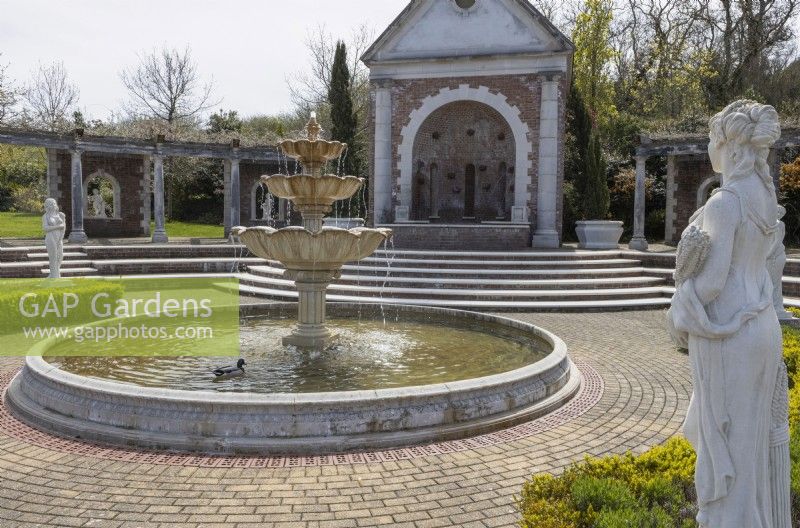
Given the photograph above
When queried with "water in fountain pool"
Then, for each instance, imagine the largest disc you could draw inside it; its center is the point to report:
(367, 354)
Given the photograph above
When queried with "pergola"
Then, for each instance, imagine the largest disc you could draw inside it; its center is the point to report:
(156, 149)
(690, 145)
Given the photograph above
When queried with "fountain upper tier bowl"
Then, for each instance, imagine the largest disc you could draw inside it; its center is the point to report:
(313, 194)
(300, 249)
(312, 153)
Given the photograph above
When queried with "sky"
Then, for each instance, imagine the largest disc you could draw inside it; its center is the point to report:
(249, 47)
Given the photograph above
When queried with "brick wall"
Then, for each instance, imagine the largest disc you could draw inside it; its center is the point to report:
(688, 173)
(461, 237)
(129, 172)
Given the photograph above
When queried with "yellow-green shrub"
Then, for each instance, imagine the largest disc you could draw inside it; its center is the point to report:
(653, 488)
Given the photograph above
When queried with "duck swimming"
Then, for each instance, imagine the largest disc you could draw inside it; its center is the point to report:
(230, 372)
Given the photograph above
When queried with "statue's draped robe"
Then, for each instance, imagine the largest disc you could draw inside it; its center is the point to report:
(735, 350)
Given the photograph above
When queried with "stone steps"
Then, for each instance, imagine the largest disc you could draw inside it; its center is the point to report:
(391, 279)
(73, 272)
(410, 295)
(474, 304)
(500, 264)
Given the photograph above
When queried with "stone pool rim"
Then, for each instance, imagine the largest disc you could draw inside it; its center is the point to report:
(60, 402)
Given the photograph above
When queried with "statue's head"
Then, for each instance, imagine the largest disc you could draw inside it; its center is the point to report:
(740, 138)
(50, 205)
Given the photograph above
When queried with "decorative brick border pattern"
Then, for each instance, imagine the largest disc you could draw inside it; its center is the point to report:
(589, 395)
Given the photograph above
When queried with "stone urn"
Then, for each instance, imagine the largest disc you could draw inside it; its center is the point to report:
(598, 234)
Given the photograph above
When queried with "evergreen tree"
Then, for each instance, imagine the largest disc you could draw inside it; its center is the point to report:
(579, 133)
(344, 123)
(596, 196)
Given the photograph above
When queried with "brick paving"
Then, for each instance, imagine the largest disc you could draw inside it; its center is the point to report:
(646, 392)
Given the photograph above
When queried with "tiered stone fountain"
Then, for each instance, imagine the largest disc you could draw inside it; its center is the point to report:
(312, 254)
(429, 375)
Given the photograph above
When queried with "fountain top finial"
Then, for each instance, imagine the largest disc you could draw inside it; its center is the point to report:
(313, 128)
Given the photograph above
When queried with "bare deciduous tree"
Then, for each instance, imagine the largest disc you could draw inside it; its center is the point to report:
(8, 95)
(747, 37)
(51, 96)
(309, 90)
(167, 86)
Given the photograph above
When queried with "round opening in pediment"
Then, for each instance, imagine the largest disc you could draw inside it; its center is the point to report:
(465, 4)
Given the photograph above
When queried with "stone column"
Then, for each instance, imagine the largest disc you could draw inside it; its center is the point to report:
(639, 241)
(236, 201)
(160, 231)
(546, 235)
(76, 234)
(382, 180)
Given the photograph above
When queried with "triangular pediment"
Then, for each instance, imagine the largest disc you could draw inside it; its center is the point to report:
(433, 29)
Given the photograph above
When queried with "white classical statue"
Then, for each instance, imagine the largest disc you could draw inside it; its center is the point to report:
(54, 224)
(98, 204)
(723, 312)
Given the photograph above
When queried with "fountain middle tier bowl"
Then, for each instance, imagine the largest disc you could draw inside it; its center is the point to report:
(300, 249)
(400, 375)
(313, 191)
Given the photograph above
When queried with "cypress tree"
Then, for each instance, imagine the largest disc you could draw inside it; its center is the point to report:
(580, 132)
(344, 123)
(596, 196)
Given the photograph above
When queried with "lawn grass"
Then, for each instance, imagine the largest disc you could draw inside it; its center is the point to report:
(24, 225)
(20, 225)
(191, 230)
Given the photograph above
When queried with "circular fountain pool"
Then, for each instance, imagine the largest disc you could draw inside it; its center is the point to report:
(396, 376)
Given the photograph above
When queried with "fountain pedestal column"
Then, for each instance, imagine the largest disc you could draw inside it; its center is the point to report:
(311, 331)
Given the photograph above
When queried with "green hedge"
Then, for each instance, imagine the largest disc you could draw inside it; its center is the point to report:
(652, 490)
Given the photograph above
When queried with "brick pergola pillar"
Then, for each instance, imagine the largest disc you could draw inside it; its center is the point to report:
(77, 234)
(639, 241)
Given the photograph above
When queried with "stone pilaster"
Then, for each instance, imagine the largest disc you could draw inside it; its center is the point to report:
(160, 232)
(546, 235)
(382, 179)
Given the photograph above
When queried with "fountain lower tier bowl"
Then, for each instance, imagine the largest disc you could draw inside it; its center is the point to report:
(313, 194)
(300, 249)
(402, 382)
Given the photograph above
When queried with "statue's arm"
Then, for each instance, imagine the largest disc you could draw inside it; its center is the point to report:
(720, 219)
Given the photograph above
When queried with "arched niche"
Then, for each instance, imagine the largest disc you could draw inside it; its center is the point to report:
(519, 166)
(101, 189)
(259, 199)
(706, 187)
(465, 152)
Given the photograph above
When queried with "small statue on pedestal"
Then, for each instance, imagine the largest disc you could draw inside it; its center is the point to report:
(54, 224)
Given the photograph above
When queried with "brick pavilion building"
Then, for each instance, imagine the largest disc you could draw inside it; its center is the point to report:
(467, 121)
